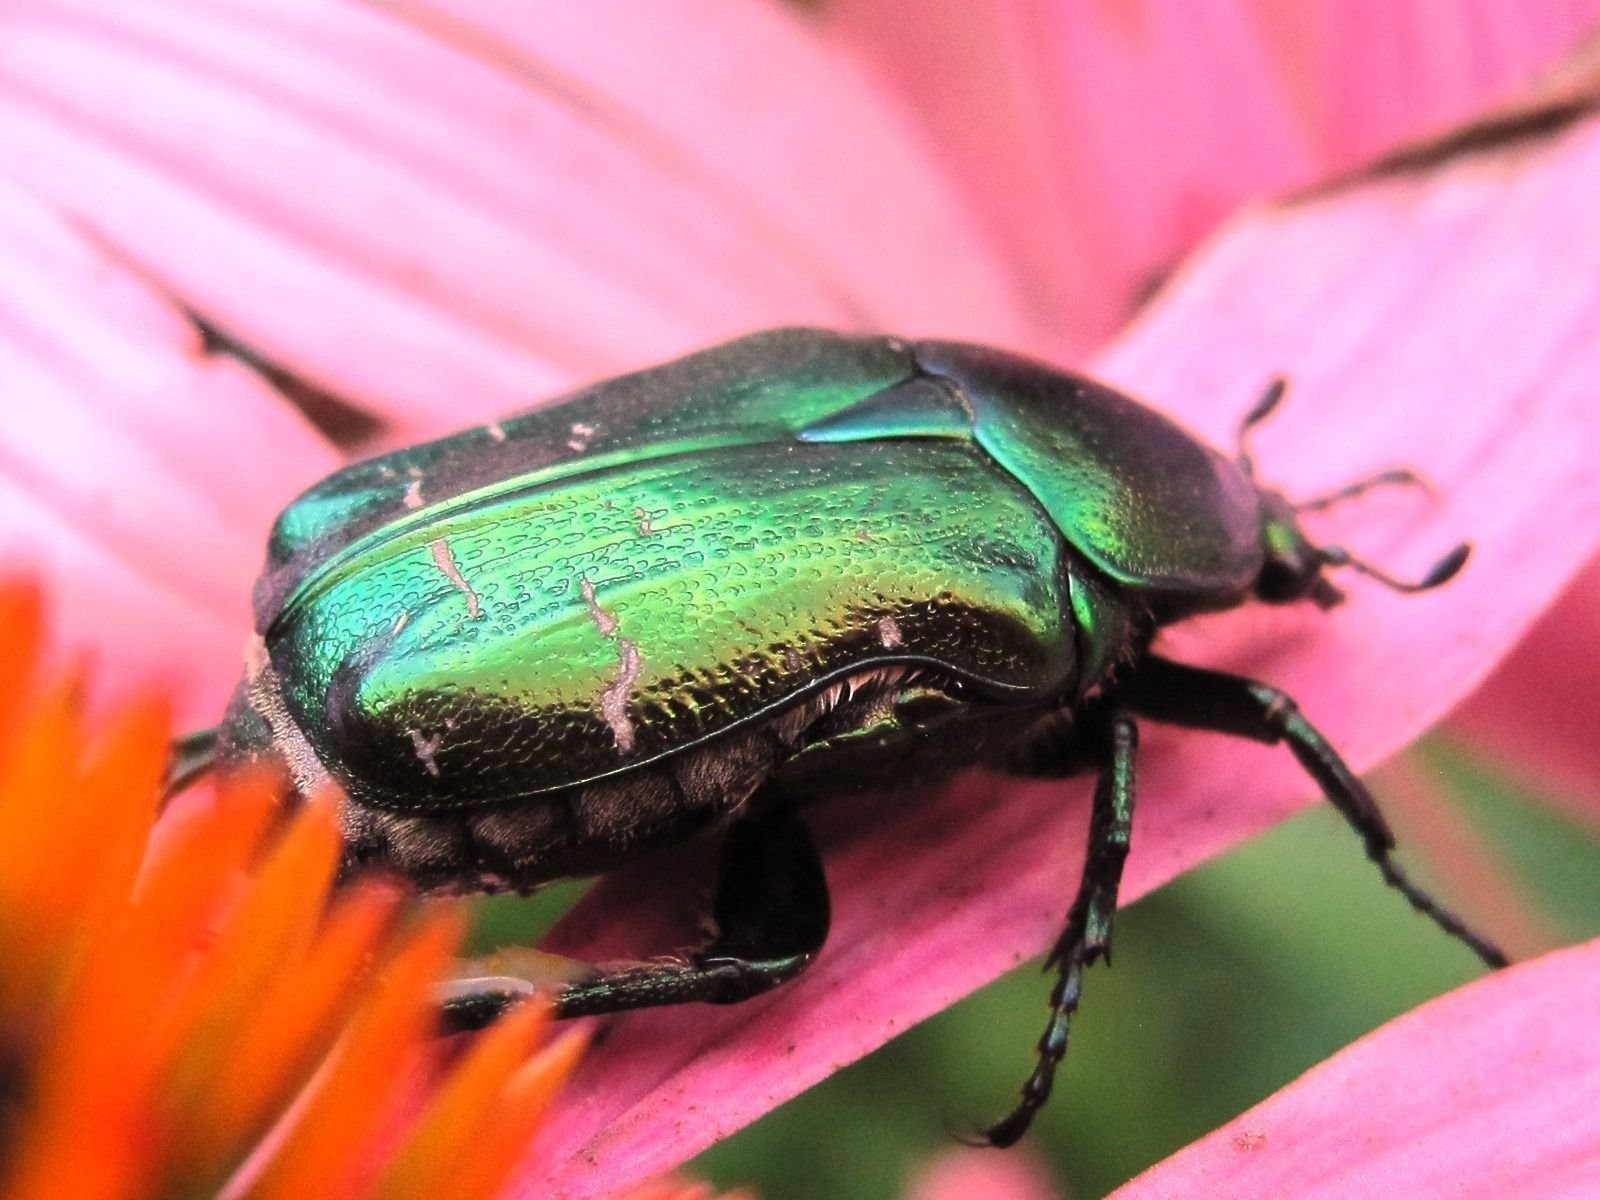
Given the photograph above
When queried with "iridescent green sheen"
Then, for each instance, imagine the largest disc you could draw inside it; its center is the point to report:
(531, 605)
(688, 594)
(1146, 502)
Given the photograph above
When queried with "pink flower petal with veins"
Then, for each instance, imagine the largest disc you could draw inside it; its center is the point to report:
(537, 214)
(137, 473)
(1486, 1092)
(434, 253)
(1099, 141)
(1537, 710)
(442, 213)
(1442, 320)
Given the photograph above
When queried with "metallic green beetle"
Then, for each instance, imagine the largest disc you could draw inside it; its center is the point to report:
(796, 565)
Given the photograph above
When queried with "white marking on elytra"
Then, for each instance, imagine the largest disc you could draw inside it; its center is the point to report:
(614, 700)
(604, 621)
(446, 562)
(496, 431)
(889, 633)
(642, 516)
(578, 436)
(400, 623)
(616, 694)
(413, 496)
(426, 748)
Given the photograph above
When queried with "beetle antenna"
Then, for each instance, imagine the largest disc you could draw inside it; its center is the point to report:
(1441, 572)
(1260, 411)
(1398, 476)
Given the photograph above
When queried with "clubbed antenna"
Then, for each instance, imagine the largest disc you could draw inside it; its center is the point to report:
(1395, 477)
(1262, 409)
(1441, 572)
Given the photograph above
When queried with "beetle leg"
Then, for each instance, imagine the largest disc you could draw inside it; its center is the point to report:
(771, 916)
(1086, 938)
(1202, 699)
(190, 758)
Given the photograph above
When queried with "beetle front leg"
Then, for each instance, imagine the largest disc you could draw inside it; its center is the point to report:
(190, 758)
(770, 912)
(1201, 699)
(1086, 938)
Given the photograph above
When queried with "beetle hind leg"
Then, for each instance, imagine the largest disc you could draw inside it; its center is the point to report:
(770, 913)
(1202, 699)
(1086, 938)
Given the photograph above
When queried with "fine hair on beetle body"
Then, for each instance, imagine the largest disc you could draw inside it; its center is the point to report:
(801, 564)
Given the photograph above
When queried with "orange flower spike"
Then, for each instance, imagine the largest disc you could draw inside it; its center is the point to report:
(80, 840)
(266, 933)
(198, 858)
(98, 1071)
(38, 775)
(107, 824)
(291, 1029)
(501, 1142)
(140, 962)
(26, 853)
(330, 1141)
(446, 1135)
(21, 646)
(79, 1092)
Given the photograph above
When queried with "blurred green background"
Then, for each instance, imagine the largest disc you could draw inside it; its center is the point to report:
(1229, 982)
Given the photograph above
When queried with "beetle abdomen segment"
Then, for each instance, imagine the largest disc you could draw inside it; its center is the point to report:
(582, 831)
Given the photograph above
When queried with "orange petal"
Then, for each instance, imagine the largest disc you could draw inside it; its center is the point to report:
(291, 1029)
(326, 1148)
(503, 1141)
(445, 1137)
(272, 924)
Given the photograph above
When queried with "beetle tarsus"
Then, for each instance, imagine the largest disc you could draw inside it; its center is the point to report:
(771, 912)
(1202, 699)
(1086, 938)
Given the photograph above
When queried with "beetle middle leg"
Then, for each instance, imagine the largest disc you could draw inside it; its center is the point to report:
(1086, 938)
(1203, 699)
(770, 913)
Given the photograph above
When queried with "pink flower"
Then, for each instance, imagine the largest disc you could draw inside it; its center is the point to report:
(435, 214)
(1532, 711)
(1485, 1092)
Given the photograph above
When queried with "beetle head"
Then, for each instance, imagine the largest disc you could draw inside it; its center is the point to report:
(1292, 568)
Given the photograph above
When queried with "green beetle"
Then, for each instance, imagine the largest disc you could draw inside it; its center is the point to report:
(796, 565)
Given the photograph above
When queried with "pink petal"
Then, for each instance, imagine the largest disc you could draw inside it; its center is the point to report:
(428, 220)
(1471, 869)
(1100, 141)
(1485, 1092)
(1537, 710)
(1445, 321)
(137, 473)
(984, 1175)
